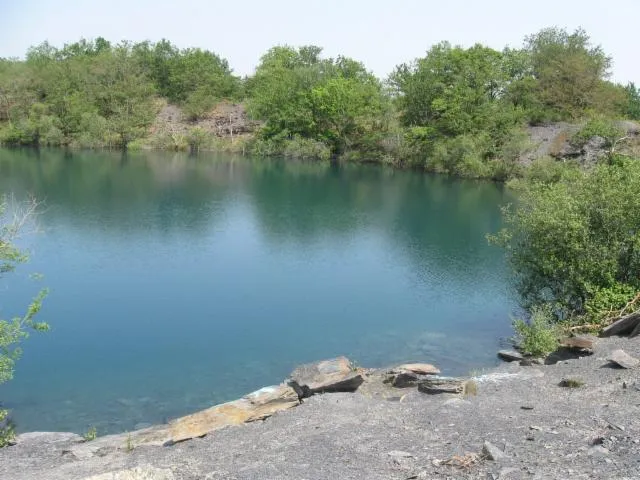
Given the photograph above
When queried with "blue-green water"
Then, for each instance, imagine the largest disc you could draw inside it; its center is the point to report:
(177, 283)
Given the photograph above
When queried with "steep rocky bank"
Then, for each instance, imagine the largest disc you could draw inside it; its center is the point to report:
(555, 140)
(518, 422)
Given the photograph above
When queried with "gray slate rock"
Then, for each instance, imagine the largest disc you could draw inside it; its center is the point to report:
(510, 355)
(442, 385)
(400, 454)
(334, 375)
(410, 374)
(37, 439)
(493, 453)
(623, 359)
(578, 343)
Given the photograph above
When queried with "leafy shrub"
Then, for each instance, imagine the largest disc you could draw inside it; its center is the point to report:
(567, 240)
(539, 336)
(461, 156)
(198, 104)
(15, 330)
(604, 302)
(548, 170)
(91, 434)
(306, 148)
(7, 430)
(198, 138)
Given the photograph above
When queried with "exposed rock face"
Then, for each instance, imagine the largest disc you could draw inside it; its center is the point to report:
(555, 140)
(138, 473)
(335, 375)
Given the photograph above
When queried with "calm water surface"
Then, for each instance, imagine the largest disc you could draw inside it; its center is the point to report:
(177, 283)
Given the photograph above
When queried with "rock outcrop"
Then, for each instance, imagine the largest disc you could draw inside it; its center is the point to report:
(335, 375)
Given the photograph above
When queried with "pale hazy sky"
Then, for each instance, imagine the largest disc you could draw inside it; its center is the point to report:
(379, 33)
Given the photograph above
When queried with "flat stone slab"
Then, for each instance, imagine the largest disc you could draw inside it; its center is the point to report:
(334, 375)
(258, 405)
(623, 359)
(48, 438)
(419, 368)
(578, 343)
(442, 385)
(510, 355)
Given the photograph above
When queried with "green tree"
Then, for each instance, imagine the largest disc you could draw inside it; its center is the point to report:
(454, 90)
(632, 109)
(299, 94)
(125, 96)
(454, 105)
(570, 72)
(14, 331)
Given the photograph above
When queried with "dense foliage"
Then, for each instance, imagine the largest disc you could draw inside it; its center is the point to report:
(462, 108)
(13, 331)
(300, 95)
(456, 110)
(575, 243)
(94, 94)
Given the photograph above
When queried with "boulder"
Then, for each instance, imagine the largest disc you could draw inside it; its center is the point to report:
(623, 359)
(137, 473)
(626, 324)
(258, 405)
(335, 375)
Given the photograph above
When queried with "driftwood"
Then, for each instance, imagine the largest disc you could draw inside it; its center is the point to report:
(627, 324)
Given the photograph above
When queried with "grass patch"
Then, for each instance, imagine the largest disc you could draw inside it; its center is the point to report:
(571, 383)
(91, 434)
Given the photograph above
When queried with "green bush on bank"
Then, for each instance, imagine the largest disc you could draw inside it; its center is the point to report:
(571, 241)
(539, 335)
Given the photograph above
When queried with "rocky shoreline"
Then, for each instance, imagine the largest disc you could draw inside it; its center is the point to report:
(577, 418)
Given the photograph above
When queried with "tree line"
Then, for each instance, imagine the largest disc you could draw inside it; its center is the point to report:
(455, 110)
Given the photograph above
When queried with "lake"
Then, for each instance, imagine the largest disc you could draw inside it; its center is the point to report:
(179, 282)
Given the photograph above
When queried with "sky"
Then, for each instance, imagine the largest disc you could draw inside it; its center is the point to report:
(379, 33)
